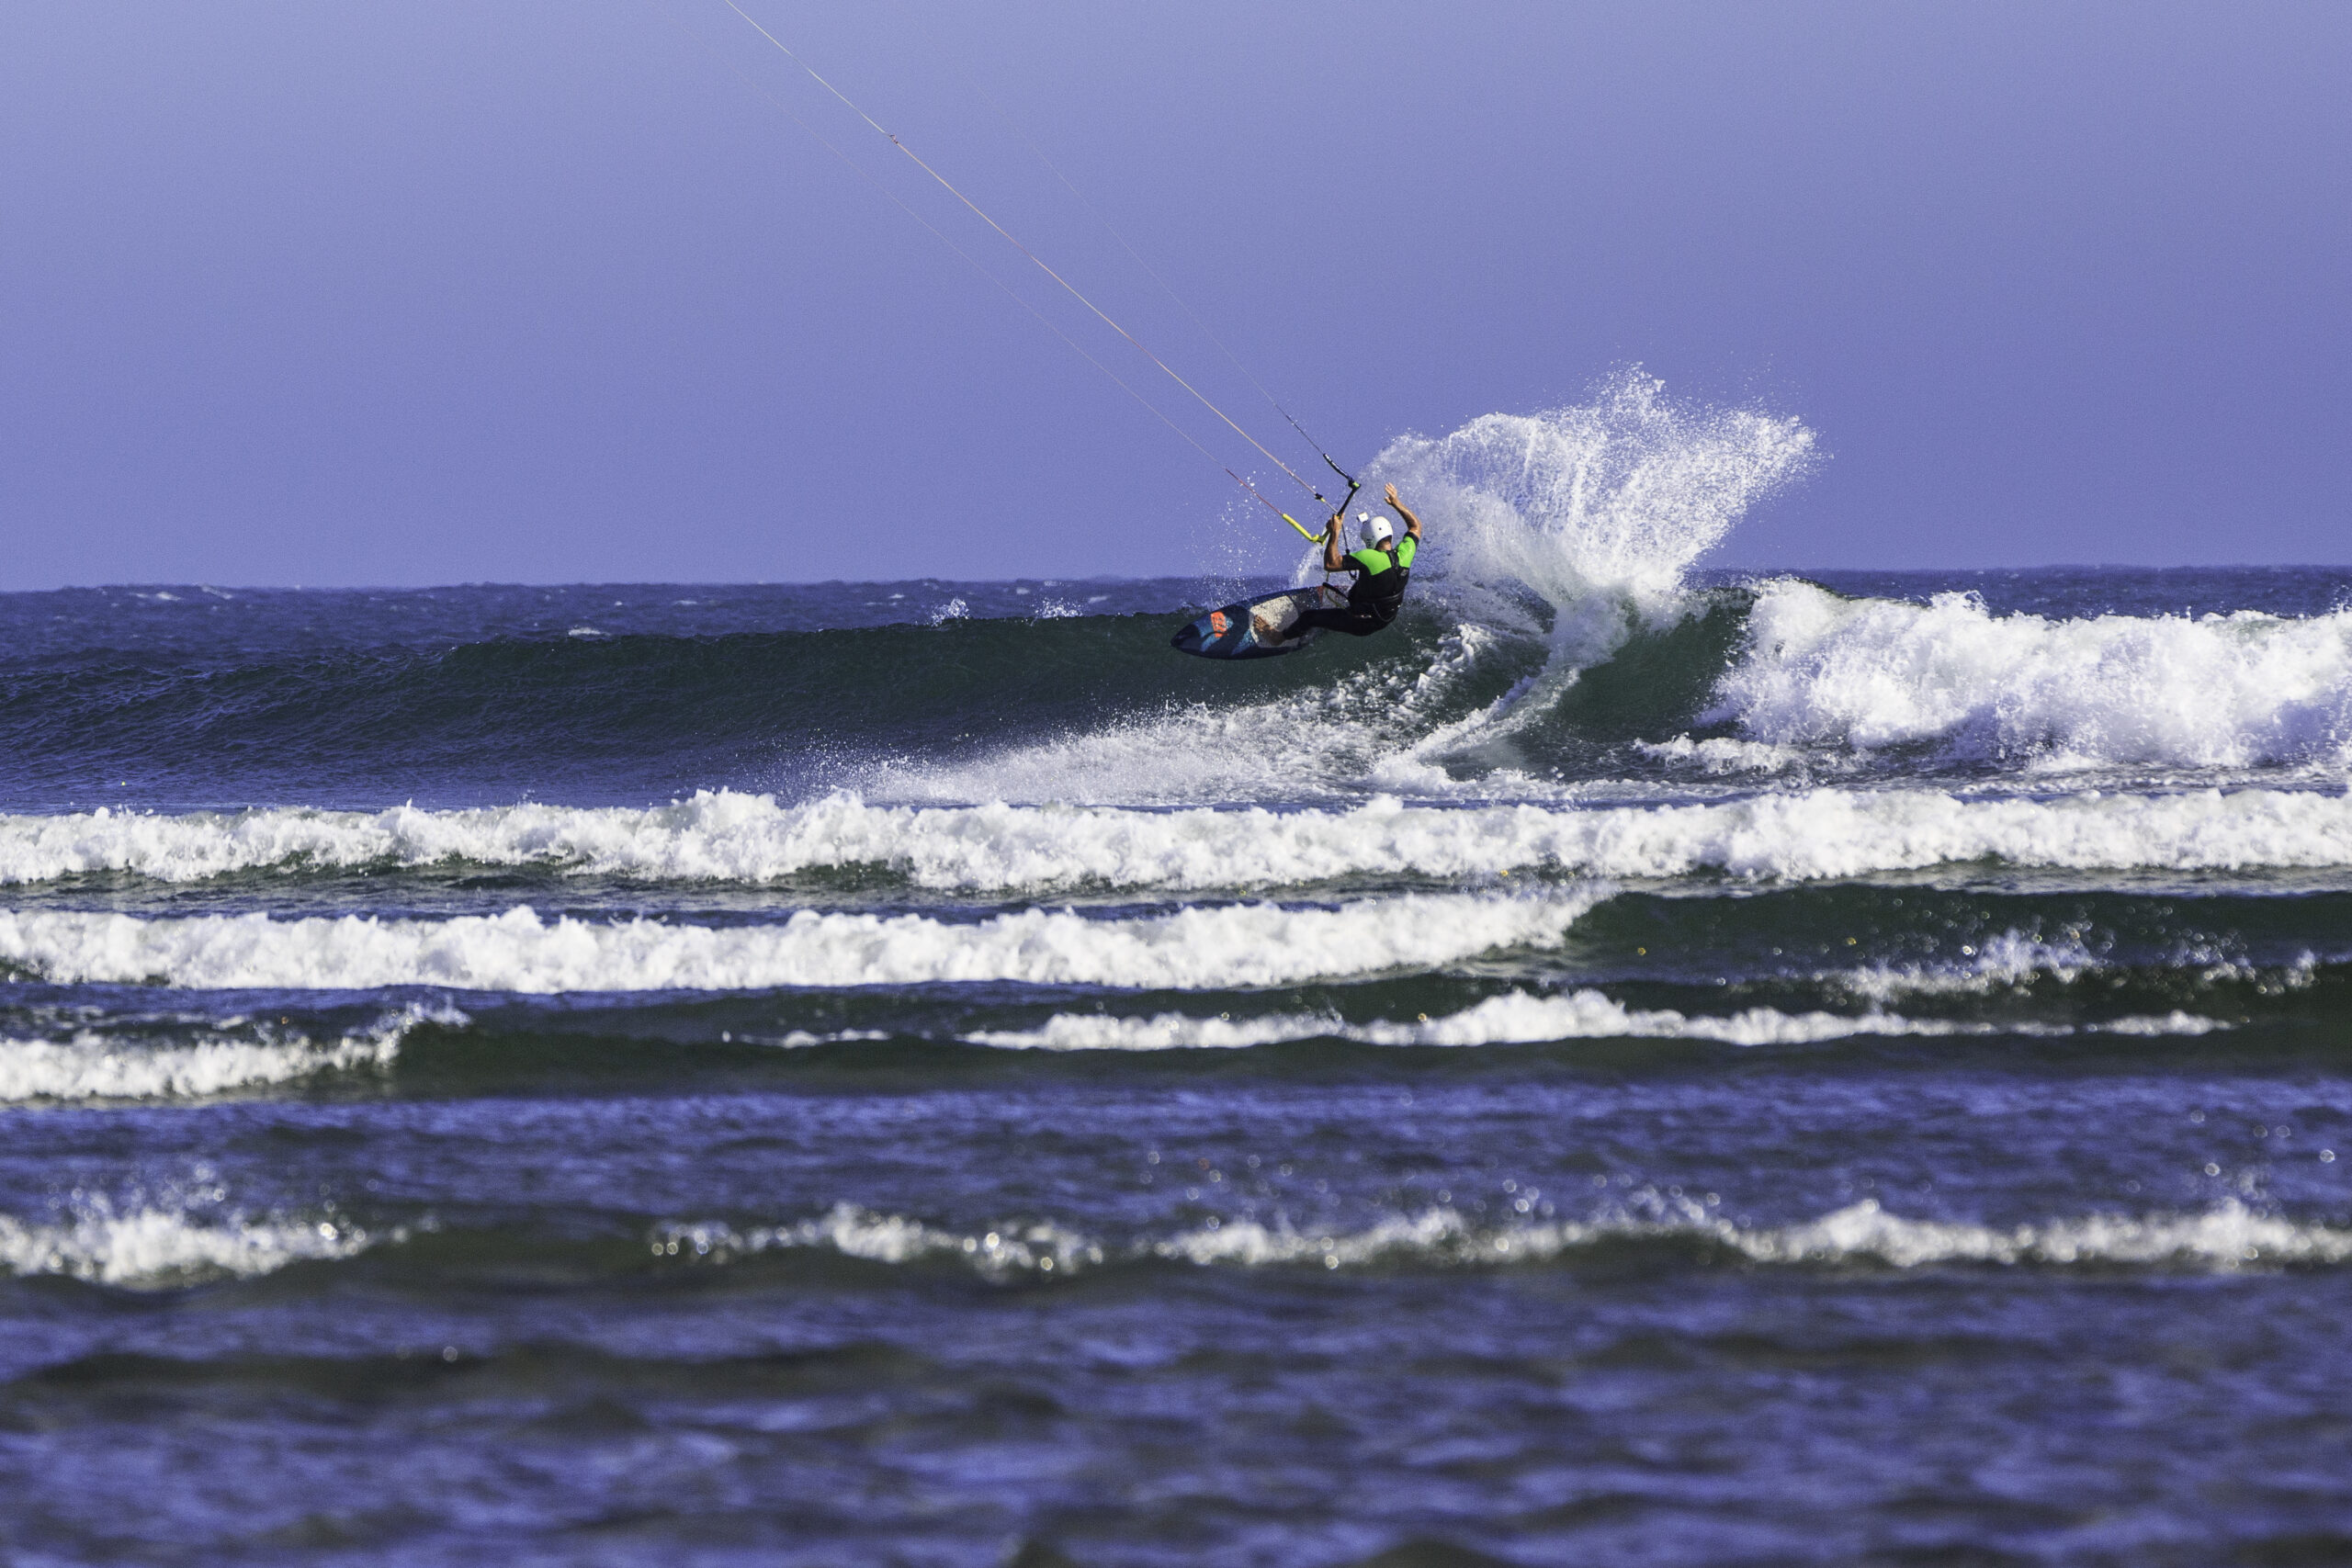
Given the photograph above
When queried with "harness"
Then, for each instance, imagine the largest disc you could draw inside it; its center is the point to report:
(1381, 593)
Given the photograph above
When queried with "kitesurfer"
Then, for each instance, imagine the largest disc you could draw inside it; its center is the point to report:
(1382, 565)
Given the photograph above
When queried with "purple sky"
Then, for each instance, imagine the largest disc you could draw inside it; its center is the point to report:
(441, 291)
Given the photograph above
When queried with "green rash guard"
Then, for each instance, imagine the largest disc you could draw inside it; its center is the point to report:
(1376, 561)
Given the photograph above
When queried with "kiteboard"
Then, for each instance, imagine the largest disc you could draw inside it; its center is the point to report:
(1256, 628)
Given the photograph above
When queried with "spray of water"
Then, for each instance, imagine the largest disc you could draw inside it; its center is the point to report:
(1585, 519)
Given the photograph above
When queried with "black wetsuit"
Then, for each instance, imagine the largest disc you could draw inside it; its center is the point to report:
(1377, 594)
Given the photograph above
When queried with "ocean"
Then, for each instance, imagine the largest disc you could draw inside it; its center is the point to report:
(1637, 1063)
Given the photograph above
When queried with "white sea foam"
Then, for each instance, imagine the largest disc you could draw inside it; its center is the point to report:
(1721, 755)
(151, 1248)
(1250, 944)
(1184, 754)
(730, 838)
(2173, 1022)
(1518, 1017)
(93, 1066)
(2227, 1237)
(2230, 691)
(855, 1231)
(1999, 963)
(1162, 1031)
(1372, 726)
(801, 1039)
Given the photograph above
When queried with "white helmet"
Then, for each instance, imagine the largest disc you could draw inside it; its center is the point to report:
(1376, 528)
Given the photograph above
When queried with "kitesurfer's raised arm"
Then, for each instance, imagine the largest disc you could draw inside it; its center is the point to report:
(1412, 523)
(1331, 557)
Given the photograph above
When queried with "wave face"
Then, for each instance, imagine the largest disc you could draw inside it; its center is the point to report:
(845, 1072)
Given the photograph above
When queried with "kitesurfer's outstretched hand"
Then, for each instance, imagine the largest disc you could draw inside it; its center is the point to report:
(1412, 523)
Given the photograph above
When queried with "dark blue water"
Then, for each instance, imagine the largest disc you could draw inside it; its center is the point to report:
(1830, 1070)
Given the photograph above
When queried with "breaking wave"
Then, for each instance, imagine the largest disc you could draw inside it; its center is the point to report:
(2234, 691)
(1248, 944)
(729, 838)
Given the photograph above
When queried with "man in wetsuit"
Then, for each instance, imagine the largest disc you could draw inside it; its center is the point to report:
(1381, 566)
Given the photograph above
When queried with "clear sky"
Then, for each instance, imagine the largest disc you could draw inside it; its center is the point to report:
(551, 290)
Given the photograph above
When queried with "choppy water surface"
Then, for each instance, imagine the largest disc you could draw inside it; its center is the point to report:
(1631, 1065)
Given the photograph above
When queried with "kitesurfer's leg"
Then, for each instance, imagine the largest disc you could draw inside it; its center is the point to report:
(1355, 623)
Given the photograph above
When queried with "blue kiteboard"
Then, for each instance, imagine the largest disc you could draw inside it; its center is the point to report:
(1256, 628)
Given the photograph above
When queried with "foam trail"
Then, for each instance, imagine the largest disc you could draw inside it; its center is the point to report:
(2234, 691)
(2227, 1238)
(855, 1232)
(1252, 944)
(1518, 1017)
(738, 838)
(1370, 726)
(1287, 749)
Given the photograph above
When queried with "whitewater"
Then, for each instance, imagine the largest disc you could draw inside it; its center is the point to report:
(724, 838)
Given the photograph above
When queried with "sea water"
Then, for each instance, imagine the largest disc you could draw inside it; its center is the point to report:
(1635, 1064)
